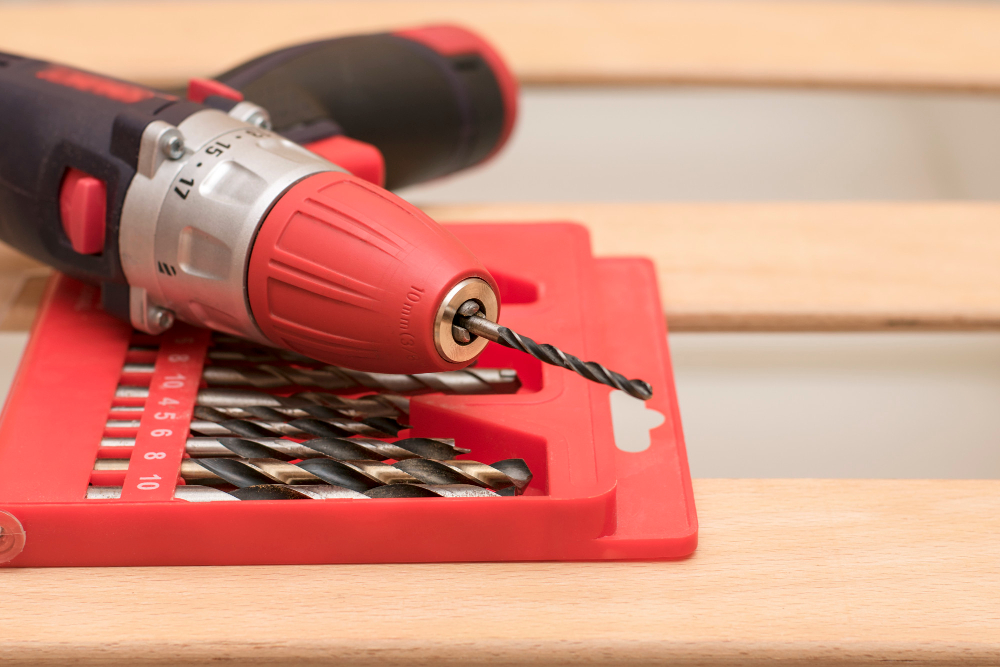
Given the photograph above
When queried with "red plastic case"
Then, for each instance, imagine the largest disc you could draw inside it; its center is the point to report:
(588, 500)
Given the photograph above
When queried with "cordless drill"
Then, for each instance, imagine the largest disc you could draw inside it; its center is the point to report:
(196, 209)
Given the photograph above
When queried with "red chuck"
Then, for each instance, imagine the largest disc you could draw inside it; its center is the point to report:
(350, 274)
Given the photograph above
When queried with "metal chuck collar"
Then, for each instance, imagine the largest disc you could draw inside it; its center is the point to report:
(454, 343)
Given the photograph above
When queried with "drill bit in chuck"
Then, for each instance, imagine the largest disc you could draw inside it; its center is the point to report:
(470, 322)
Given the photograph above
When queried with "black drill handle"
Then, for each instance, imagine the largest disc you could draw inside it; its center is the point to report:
(56, 122)
(433, 100)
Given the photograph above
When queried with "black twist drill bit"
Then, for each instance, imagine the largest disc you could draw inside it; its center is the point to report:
(211, 422)
(439, 449)
(357, 449)
(354, 475)
(195, 493)
(508, 477)
(297, 428)
(383, 422)
(312, 414)
(233, 401)
(430, 491)
(279, 492)
(470, 321)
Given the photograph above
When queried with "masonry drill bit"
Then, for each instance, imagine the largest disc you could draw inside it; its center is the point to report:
(467, 381)
(508, 477)
(470, 322)
(439, 449)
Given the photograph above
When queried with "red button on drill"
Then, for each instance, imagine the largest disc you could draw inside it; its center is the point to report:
(83, 209)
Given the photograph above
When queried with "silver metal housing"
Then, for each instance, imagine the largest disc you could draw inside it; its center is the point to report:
(188, 224)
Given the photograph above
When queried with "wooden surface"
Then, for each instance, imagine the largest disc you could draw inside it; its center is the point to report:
(759, 266)
(807, 572)
(799, 266)
(943, 46)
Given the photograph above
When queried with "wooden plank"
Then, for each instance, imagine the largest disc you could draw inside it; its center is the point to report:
(798, 266)
(818, 572)
(933, 46)
(759, 267)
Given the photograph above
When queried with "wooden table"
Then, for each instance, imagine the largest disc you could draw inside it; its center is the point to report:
(807, 572)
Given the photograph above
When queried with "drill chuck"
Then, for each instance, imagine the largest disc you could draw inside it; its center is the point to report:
(347, 273)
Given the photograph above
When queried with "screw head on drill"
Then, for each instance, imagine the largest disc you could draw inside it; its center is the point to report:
(260, 119)
(172, 144)
(161, 318)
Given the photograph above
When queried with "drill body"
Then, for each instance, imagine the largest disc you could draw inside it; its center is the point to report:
(199, 212)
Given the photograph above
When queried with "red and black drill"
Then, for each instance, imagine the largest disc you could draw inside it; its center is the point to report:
(236, 208)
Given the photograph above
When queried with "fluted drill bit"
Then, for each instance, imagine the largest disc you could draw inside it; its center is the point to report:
(194, 493)
(430, 491)
(467, 381)
(236, 402)
(508, 477)
(439, 449)
(296, 428)
(372, 418)
(321, 421)
(470, 321)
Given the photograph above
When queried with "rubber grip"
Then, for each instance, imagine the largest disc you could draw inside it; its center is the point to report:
(432, 100)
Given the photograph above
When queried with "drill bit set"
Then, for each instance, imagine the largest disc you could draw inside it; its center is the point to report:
(245, 441)
(123, 448)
